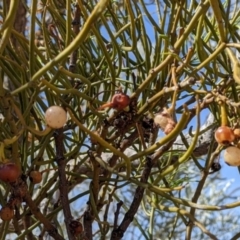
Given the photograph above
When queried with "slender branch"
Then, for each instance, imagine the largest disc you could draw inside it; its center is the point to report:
(87, 222)
(218, 15)
(19, 194)
(63, 184)
(199, 189)
(13, 7)
(27, 224)
(99, 8)
(75, 27)
(186, 213)
(118, 232)
(236, 237)
(116, 214)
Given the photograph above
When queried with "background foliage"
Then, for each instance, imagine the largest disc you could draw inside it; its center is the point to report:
(115, 172)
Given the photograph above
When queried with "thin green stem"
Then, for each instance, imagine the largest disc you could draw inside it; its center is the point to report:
(103, 143)
(8, 24)
(32, 37)
(180, 125)
(93, 17)
(218, 15)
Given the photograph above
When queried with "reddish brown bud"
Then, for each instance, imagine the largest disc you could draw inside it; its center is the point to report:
(6, 213)
(76, 227)
(119, 102)
(9, 172)
(35, 177)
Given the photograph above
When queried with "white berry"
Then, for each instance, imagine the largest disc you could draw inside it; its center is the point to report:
(161, 121)
(232, 156)
(55, 117)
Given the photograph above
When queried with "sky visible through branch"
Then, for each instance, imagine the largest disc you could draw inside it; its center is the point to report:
(220, 188)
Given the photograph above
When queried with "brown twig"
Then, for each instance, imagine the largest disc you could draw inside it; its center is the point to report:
(236, 237)
(16, 223)
(95, 182)
(118, 232)
(75, 27)
(47, 224)
(87, 222)
(199, 190)
(116, 214)
(63, 184)
(27, 223)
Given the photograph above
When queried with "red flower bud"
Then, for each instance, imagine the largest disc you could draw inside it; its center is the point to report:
(119, 102)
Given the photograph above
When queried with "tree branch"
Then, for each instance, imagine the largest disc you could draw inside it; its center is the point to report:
(118, 232)
(63, 184)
